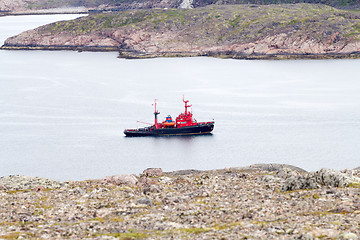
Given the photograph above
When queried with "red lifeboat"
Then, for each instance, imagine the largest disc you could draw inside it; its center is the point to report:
(168, 122)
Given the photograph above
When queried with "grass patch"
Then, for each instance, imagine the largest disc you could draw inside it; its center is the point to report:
(16, 235)
(194, 230)
(316, 213)
(129, 235)
(354, 184)
(13, 235)
(133, 234)
(234, 22)
(18, 191)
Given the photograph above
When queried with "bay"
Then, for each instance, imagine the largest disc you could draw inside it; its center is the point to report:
(62, 114)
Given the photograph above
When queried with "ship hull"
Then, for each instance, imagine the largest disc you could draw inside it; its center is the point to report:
(199, 129)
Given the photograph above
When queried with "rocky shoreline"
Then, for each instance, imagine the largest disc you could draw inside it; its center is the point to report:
(60, 10)
(128, 54)
(298, 31)
(262, 201)
(4, 14)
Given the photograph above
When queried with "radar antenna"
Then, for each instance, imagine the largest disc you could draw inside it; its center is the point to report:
(186, 104)
(155, 114)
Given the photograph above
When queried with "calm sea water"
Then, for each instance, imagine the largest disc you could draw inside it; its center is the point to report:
(62, 114)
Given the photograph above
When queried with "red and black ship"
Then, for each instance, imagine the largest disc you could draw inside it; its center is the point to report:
(184, 124)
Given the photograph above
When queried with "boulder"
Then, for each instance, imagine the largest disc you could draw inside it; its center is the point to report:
(323, 177)
(300, 182)
(78, 190)
(145, 201)
(151, 189)
(153, 172)
(270, 178)
(102, 212)
(286, 173)
(146, 181)
(348, 236)
(39, 188)
(124, 179)
(305, 237)
(332, 178)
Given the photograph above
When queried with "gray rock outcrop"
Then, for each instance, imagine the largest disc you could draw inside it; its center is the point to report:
(124, 179)
(323, 177)
(153, 172)
(276, 167)
(18, 182)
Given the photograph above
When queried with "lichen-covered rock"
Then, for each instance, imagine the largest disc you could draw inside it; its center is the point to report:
(348, 236)
(153, 172)
(145, 201)
(323, 177)
(185, 172)
(332, 178)
(124, 179)
(300, 182)
(305, 237)
(270, 178)
(18, 182)
(271, 167)
(286, 172)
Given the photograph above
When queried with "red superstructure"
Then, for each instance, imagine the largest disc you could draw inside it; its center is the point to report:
(186, 118)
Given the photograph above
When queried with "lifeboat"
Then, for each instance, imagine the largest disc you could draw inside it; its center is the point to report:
(168, 122)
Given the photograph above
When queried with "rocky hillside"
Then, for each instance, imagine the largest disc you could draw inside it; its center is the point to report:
(258, 202)
(238, 31)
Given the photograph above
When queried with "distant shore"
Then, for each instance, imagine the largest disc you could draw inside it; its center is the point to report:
(262, 201)
(226, 55)
(2, 14)
(292, 31)
(52, 11)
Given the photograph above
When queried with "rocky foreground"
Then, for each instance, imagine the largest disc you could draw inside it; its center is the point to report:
(257, 202)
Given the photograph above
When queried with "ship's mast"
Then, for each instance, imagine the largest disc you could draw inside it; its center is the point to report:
(186, 105)
(155, 114)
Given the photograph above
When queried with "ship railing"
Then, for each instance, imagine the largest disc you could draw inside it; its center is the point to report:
(206, 122)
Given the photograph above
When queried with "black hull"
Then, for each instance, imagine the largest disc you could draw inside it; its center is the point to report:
(199, 129)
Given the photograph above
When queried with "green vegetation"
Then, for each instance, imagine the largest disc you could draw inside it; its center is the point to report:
(16, 235)
(356, 185)
(225, 24)
(130, 235)
(135, 234)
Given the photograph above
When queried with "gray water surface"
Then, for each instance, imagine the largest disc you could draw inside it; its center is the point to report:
(62, 114)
